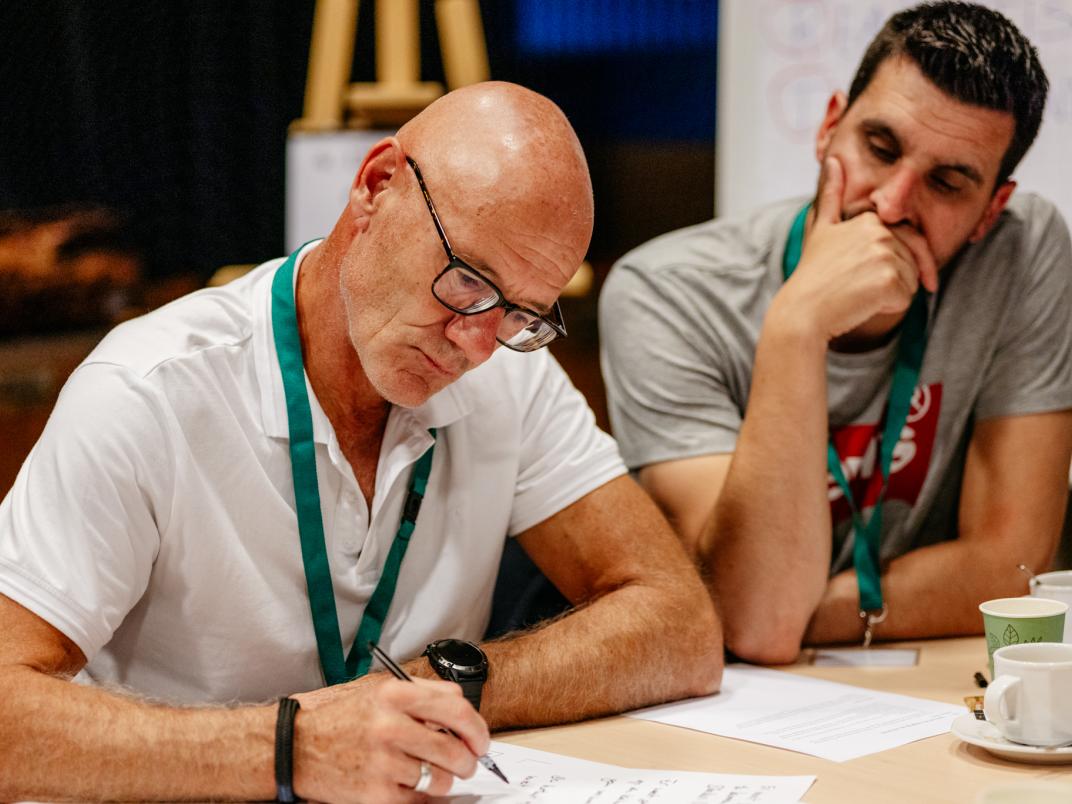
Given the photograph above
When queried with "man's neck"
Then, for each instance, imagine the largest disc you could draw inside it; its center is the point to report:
(348, 399)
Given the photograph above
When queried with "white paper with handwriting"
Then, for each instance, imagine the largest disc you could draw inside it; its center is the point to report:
(542, 776)
(822, 718)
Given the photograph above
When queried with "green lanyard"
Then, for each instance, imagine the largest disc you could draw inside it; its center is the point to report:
(307, 500)
(868, 535)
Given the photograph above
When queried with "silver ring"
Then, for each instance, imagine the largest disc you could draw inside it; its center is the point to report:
(425, 779)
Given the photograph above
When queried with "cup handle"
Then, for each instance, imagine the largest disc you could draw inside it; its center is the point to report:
(996, 701)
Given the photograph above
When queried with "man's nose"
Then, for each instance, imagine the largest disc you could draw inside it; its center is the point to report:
(894, 197)
(475, 334)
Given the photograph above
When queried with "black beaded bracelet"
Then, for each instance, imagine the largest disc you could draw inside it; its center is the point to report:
(284, 749)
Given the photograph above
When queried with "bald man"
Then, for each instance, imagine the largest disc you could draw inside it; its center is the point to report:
(236, 493)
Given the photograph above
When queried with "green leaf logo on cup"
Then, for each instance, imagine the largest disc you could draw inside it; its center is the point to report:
(1021, 620)
(1010, 637)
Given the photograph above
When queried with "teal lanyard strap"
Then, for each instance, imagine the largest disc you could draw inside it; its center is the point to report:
(868, 536)
(307, 501)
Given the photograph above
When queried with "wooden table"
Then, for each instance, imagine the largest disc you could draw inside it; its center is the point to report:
(939, 769)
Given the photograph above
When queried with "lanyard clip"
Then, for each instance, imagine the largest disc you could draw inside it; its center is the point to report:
(871, 619)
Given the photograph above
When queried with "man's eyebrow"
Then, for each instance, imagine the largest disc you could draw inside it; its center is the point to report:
(542, 309)
(878, 128)
(493, 275)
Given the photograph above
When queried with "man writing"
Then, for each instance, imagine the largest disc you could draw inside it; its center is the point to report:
(856, 412)
(238, 492)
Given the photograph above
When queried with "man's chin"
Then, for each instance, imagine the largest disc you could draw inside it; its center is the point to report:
(409, 379)
(409, 390)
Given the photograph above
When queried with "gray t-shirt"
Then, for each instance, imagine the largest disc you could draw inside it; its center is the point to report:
(680, 317)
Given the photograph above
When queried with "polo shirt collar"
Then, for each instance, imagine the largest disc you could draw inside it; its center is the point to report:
(446, 407)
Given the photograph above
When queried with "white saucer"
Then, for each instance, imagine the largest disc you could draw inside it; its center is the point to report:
(985, 735)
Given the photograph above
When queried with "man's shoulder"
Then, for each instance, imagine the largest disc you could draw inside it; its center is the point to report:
(1032, 216)
(729, 263)
(1028, 205)
(724, 244)
(1028, 244)
(187, 327)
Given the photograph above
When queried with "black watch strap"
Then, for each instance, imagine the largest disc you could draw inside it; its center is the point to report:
(444, 659)
(471, 689)
(284, 749)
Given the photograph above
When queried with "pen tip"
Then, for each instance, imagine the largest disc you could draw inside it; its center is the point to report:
(489, 763)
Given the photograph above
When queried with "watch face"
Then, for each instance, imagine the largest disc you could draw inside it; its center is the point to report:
(459, 653)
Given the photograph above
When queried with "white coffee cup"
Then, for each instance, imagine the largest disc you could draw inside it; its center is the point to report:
(1030, 698)
(1055, 586)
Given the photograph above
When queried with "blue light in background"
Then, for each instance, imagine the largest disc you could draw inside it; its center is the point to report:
(562, 27)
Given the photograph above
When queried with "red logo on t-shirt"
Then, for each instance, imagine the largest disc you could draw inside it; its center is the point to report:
(858, 447)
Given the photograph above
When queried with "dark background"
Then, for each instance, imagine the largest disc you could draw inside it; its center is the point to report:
(175, 114)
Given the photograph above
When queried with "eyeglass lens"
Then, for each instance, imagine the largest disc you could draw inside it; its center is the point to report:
(468, 294)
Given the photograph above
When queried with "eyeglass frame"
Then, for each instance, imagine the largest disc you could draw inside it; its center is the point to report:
(454, 261)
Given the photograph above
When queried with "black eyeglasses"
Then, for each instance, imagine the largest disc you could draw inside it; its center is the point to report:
(463, 289)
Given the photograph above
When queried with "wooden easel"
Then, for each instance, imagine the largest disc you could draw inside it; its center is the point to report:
(398, 93)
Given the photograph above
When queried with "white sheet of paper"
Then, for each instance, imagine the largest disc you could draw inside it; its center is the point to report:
(822, 718)
(542, 776)
(865, 657)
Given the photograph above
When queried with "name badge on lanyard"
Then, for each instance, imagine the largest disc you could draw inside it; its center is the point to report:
(867, 536)
(337, 668)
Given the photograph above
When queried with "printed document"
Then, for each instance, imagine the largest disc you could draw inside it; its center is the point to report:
(541, 776)
(822, 718)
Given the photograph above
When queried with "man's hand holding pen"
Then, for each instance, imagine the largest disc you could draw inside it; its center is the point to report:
(371, 742)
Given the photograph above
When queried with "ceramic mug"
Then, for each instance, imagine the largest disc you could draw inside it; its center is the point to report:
(1030, 699)
(1055, 586)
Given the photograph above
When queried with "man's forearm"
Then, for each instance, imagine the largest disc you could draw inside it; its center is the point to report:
(61, 740)
(1012, 504)
(632, 647)
(767, 542)
(953, 578)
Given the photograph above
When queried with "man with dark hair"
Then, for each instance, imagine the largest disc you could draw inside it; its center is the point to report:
(973, 54)
(855, 411)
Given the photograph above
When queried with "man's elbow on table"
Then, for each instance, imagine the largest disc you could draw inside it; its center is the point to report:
(760, 640)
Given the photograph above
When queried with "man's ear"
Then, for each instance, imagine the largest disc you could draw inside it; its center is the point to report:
(835, 110)
(993, 209)
(381, 163)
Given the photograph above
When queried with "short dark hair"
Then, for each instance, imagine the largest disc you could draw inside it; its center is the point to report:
(972, 53)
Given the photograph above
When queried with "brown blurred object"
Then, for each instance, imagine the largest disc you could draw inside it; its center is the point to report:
(67, 274)
(397, 94)
(32, 371)
(64, 268)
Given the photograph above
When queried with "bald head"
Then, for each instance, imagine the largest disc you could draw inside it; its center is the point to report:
(500, 145)
(512, 193)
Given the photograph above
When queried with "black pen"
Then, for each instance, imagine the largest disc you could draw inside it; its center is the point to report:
(398, 672)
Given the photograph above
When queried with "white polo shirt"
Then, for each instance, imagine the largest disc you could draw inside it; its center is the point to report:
(153, 523)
